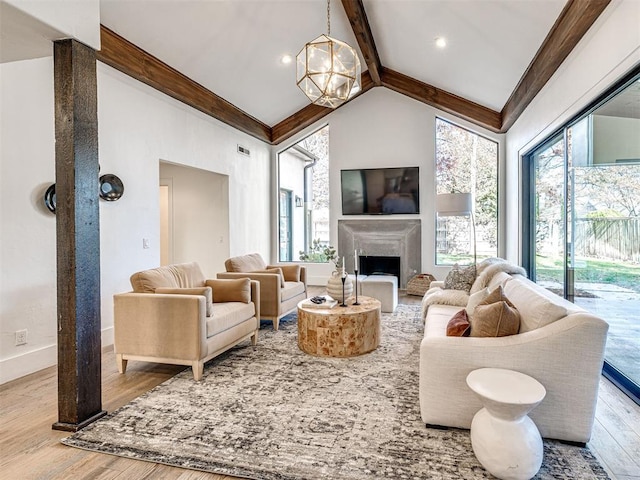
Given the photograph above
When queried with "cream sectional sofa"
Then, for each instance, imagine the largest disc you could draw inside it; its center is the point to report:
(559, 344)
(174, 315)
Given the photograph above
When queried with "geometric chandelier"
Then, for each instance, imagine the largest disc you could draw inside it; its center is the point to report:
(328, 70)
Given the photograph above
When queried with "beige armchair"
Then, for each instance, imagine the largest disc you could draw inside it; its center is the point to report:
(282, 286)
(174, 315)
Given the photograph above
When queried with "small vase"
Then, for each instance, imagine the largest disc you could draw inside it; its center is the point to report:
(334, 286)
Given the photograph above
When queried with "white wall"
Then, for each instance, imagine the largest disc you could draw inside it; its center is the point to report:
(383, 128)
(615, 138)
(27, 233)
(138, 127)
(200, 216)
(609, 49)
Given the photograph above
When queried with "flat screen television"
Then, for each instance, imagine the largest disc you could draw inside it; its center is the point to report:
(380, 191)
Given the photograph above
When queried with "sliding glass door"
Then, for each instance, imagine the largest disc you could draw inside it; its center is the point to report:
(582, 222)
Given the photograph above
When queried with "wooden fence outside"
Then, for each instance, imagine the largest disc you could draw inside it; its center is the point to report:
(608, 238)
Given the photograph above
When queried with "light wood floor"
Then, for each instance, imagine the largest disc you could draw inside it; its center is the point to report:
(30, 449)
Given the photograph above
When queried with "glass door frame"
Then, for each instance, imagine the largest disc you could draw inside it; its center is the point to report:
(528, 215)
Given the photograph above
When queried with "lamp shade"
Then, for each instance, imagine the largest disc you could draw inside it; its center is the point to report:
(454, 204)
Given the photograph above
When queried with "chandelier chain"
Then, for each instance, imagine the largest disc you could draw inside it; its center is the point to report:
(328, 18)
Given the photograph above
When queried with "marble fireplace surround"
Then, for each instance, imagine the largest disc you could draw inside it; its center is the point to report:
(383, 237)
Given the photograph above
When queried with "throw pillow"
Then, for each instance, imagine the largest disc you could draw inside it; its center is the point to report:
(228, 290)
(497, 319)
(460, 278)
(291, 272)
(273, 270)
(476, 299)
(459, 325)
(206, 291)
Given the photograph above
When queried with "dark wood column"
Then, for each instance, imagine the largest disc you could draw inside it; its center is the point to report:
(78, 236)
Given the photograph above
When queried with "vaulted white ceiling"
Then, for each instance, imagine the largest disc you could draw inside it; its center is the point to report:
(234, 47)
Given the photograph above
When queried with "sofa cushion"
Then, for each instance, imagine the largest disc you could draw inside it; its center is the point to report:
(290, 290)
(273, 270)
(228, 315)
(500, 278)
(183, 275)
(206, 291)
(536, 308)
(497, 319)
(460, 278)
(245, 263)
(228, 290)
(438, 319)
(459, 325)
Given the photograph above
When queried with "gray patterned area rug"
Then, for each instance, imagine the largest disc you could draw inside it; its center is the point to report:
(273, 412)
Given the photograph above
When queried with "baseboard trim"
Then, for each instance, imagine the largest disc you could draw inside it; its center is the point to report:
(33, 361)
(29, 362)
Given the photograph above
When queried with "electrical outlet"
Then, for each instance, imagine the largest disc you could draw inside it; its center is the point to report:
(145, 243)
(21, 337)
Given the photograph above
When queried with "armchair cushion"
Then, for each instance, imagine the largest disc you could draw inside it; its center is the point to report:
(228, 315)
(206, 291)
(273, 270)
(185, 275)
(291, 289)
(245, 263)
(227, 290)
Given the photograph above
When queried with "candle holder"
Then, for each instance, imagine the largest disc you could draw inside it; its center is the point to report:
(344, 277)
(356, 303)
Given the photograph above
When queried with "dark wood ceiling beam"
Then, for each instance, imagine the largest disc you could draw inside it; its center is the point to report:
(441, 99)
(122, 55)
(362, 31)
(310, 114)
(574, 21)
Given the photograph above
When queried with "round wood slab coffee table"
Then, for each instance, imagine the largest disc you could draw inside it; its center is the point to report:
(340, 331)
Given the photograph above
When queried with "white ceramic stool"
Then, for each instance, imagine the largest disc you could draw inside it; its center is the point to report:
(505, 440)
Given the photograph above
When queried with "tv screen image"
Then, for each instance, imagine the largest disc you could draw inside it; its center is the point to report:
(380, 191)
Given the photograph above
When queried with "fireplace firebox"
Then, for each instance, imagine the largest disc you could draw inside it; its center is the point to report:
(379, 265)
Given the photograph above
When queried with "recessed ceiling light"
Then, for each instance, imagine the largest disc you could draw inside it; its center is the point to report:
(441, 42)
(286, 59)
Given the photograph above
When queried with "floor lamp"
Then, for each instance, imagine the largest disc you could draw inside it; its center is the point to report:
(457, 205)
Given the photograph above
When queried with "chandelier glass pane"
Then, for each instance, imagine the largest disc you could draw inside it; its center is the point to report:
(327, 70)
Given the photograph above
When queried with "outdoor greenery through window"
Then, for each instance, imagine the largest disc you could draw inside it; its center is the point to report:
(303, 207)
(466, 163)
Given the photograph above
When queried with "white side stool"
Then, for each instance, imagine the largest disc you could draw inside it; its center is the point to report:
(382, 287)
(505, 440)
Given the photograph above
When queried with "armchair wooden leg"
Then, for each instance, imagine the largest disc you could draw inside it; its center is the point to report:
(254, 338)
(276, 323)
(198, 370)
(121, 362)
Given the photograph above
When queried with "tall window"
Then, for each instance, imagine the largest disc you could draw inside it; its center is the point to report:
(303, 172)
(466, 163)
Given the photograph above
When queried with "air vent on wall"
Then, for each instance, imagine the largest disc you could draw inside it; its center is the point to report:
(244, 150)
